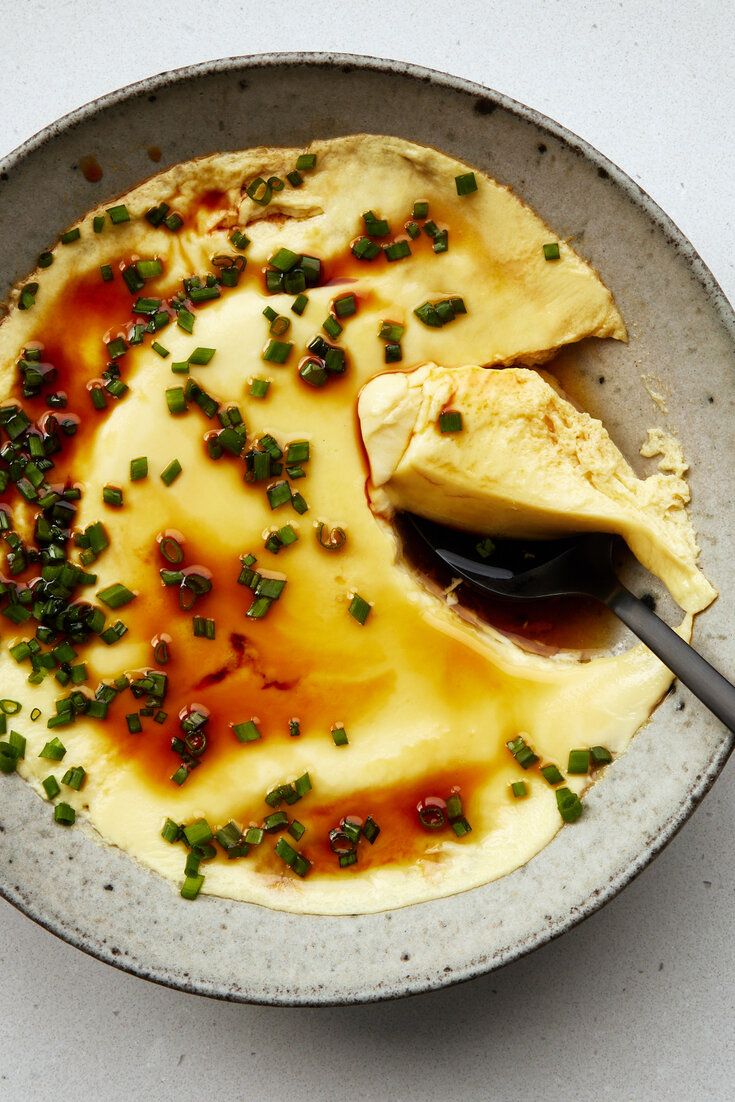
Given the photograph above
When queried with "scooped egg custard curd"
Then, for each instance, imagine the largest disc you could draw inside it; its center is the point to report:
(214, 651)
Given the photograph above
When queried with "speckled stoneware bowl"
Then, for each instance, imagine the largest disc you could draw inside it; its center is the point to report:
(682, 331)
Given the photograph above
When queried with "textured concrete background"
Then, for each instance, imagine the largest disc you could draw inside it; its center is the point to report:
(637, 1003)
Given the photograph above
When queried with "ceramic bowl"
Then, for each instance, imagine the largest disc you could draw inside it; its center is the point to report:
(682, 333)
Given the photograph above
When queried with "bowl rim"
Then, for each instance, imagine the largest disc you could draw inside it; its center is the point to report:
(675, 237)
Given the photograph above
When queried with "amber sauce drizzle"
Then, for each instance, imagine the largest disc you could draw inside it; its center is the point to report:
(260, 674)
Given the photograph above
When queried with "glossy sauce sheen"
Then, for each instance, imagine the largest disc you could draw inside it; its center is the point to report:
(247, 671)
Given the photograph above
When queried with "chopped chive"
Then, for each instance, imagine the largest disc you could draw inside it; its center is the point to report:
(339, 735)
(74, 777)
(294, 728)
(284, 260)
(198, 833)
(138, 468)
(54, 750)
(173, 222)
(185, 320)
(246, 732)
(70, 236)
(112, 495)
(171, 831)
(420, 209)
(134, 723)
(331, 327)
(466, 183)
(344, 306)
(450, 421)
(204, 627)
(600, 755)
(392, 353)
(313, 372)
(259, 387)
(254, 836)
(162, 352)
(365, 249)
(278, 494)
(239, 239)
(391, 331)
(305, 162)
(51, 786)
(359, 609)
(64, 814)
(275, 822)
(118, 214)
(286, 852)
(397, 250)
(106, 273)
(259, 608)
(180, 367)
(175, 400)
(35, 714)
(171, 472)
(116, 595)
(522, 752)
(569, 804)
(551, 251)
(280, 325)
(201, 356)
(45, 260)
(413, 229)
(98, 223)
(296, 830)
(299, 304)
(461, 827)
(441, 241)
(191, 887)
(551, 774)
(295, 178)
(10, 707)
(579, 761)
(277, 351)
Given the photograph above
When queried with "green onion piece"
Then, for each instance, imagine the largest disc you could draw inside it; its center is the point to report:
(45, 260)
(175, 400)
(10, 707)
(392, 353)
(204, 627)
(149, 269)
(461, 827)
(551, 251)
(118, 214)
(280, 325)
(579, 761)
(441, 241)
(339, 735)
(277, 351)
(286, 852)
(359, 609)
(116, 595)
(54, 750)
(138, 468)
(374, 226)
(294, 728)
(254, 836)
(51, 786)
(284, 260)
(427, 313)
(466, 183)
(260, 191)
(35, 714)
(347, 859)
(181, 775)
(278, 494)
(173, 222)
(397, 250)
(239, 239)
(485, 548)
(370, 830)
(551, 774)
(420, 209)
(64, 814)
(331, 327)
(302, 785)
(519, 789)
(74, 777)
(344, 306)
(298, 451)
(299, 304)
(112, 495)
(259, 387)
(106, 273)
(191, 887)
(296, 830)
(313, 372)
(171, 472)
(70, 236)
(365, 249)
(98, 223)
(569, 804)
(198, 833)
(246, 732)
(305, 162)
(259, 608)
(413, 230)
(8, 758)
(180, 367)
(391, 331)
(171, 831)
(162, 352)
(450, 421)
(331, 539)
(116, 348)
(133, 721)
(600, 755)
(201, 356)
(185, 320)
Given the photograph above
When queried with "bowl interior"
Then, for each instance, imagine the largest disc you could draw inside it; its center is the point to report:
(682, 337)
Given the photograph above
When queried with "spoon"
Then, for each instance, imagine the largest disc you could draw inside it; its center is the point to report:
(578, 566)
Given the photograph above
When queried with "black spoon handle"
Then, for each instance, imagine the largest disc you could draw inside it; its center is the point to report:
(705, 682)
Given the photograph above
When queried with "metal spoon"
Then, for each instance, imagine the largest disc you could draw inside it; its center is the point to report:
(580, 566)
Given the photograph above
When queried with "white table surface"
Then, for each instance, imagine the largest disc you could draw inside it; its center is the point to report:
(637, 1003)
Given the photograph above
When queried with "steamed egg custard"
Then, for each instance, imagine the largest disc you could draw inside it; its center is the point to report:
(213, 650)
